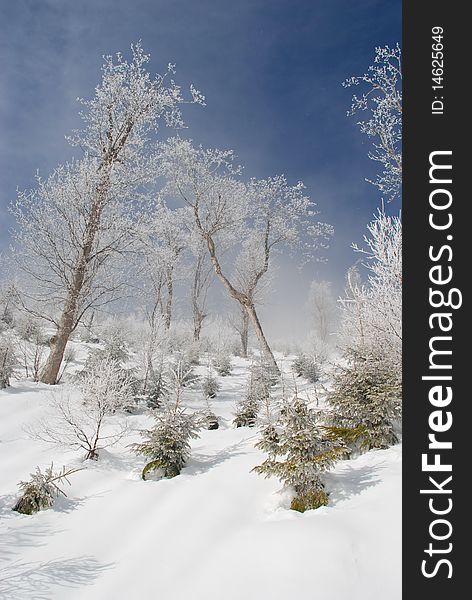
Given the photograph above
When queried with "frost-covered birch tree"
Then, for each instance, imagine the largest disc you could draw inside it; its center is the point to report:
(372, 313)
(166, 241)
(72, 226)
(381, 101)
(323, 311)
(250, 279)
(224, 211)
(202, 277)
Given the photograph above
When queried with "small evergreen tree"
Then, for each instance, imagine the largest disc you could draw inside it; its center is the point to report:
(307, 367)
(208, 418)
(210, 385)
(299, 454)
(192, 354)
(366, 402)
(222, 364)
(167, 444)
(257, 393)
(8, 297)
(41, 490)
(157, 387)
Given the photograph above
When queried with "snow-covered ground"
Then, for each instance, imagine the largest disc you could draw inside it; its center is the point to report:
(215, 532)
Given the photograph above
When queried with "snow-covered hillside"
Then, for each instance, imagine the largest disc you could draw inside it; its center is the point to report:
(215, 532)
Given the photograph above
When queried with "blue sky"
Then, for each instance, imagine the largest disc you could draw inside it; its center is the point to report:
(271, 72)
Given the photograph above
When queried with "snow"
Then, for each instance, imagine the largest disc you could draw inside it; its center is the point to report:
(215, 532)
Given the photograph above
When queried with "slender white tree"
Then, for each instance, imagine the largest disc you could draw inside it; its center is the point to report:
(381, 99)
(254, 280)
(166, 241)
(223, 210)
(382, 297)
(72, 226)
(201, 281)
(323, 311)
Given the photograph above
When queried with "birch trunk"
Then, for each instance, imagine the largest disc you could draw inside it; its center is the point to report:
(244, 332)
(245, 303)
(68, 320)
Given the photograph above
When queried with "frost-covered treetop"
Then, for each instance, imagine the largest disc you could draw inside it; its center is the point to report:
(383, 102)
(127, 105)
(284, 215)
(270, 210)
(207, 181)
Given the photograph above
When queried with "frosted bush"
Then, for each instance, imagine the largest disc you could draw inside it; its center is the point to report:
(8, 360)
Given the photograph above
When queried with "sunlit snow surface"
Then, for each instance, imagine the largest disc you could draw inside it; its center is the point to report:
(216, 532)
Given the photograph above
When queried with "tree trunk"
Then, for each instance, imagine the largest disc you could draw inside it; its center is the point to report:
(251, 311)
(57, 346)
(69, 315)
(244, 332)
(198, 299)
(243, 300)
(197, 325)
(170, 298)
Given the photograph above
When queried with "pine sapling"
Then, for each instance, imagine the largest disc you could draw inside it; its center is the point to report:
(257, 393)
(208, 418)
(157, 387)
(222, 364)
(210, 385)
(307, 367)
(298, 454)
(167, 444)
(365, 403)
(42, 489)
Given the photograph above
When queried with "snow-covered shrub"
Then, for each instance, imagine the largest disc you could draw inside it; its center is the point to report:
(222, 364)
(257, 392)
(306, 366)
(41, 490)
(114, 349)
(8, 294)
(211, 421)
(157, 386)
(167, 444)
(192, 354)
(210, 385)
(182, 373)
(32, 346)
(366, 402)
(371, 323)
(8, 360)
(298, 454)
(78, 423)
(207, 418)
